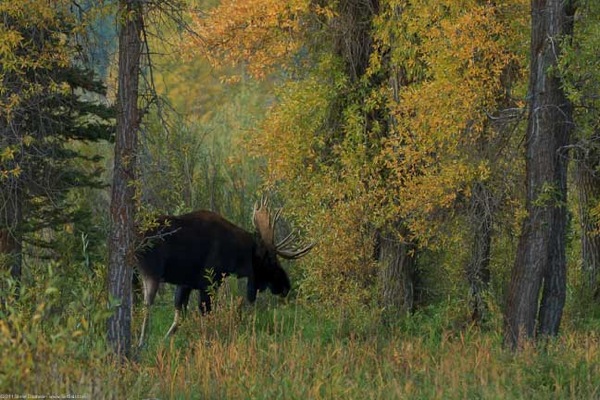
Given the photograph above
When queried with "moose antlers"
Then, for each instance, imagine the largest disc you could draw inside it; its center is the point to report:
(264, 222)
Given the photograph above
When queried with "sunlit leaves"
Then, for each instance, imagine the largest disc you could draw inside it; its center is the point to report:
(460, 53)
(403, 142)
(261, 34)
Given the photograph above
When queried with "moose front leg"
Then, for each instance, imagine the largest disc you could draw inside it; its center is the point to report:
(251, 290)
(182, 296)
(150, 289)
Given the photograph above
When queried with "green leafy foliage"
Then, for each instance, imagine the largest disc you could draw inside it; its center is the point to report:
(56, 330)
(579, 67)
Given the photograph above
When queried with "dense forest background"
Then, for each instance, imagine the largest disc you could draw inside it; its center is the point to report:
(443, 155)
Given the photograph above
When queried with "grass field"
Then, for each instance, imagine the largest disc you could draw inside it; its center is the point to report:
(294, 350)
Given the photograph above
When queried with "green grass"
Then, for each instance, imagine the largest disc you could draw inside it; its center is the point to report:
(296, 350)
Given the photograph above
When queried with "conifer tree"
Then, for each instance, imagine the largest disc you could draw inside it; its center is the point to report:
(49, 103)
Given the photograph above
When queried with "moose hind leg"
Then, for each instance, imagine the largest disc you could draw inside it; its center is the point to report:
(150, 289)
(182, 296)
(204, 302)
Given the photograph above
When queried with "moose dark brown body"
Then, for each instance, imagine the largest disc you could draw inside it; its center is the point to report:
(196, 250)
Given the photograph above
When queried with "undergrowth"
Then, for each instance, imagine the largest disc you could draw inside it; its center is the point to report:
(288, 349)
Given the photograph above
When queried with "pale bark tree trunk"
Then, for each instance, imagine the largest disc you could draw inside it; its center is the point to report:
(396, 275)
(540, 256)
(588, 184)
(122, 240)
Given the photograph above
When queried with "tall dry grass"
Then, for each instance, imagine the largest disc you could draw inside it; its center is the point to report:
(296, 350)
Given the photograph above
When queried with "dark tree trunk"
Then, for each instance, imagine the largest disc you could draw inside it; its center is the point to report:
(477, 269)
(10, 236)
(588, 185)
(541, 252)
(122, 240)
(396, 275)
(11, 203)
(11, 239)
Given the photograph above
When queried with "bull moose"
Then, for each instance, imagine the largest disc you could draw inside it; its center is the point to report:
(196, 250)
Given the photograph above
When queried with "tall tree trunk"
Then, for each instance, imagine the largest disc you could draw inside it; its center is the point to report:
(11, 201)
(10, 236)
(122, 240)
(11, 222)
(588, 185)
(396, 275)
(477, 269)
(541, 251)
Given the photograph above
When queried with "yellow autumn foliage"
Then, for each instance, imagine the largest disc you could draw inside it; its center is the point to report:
(262, 34)
(352, 157)
(443, 135)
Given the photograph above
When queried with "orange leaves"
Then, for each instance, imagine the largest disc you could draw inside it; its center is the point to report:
(260, 33)
(472, 52)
